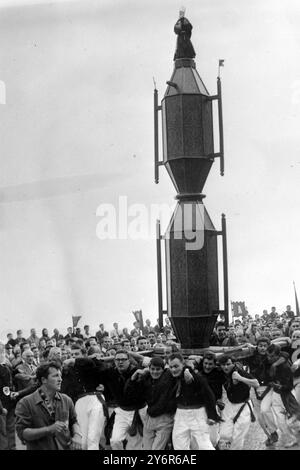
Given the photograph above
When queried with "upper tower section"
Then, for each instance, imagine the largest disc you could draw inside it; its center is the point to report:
(188, 144)
(187, 120)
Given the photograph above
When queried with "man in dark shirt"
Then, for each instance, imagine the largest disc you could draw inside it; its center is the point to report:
(219, 335)
(125, 405)
(56, 335)
(265, 315)
(213, 374)
(215, 378)
(157, 328)
(71, 386)
(7, 412)
(289, 313)
(196, 407)
(46, 419)
(273, 314)
(80, 381)
(101, 333)
(10, 340)
(238, 411)
(158, 388)
(69, 334)
(282, 384)
(129, 406)
(19, 339)
(259, 367)
(78, 333)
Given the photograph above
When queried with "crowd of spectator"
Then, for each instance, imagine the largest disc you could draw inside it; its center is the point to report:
(111, 384)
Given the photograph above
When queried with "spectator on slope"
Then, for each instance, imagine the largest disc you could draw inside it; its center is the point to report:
(33, 338)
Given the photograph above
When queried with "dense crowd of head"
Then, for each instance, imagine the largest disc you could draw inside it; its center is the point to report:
(273, 326)
(146, 365)
(103, 343)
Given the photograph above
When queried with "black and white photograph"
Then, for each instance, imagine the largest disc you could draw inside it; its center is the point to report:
(149, 228)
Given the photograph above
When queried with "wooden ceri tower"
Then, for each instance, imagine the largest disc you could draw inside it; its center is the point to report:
(191, 238)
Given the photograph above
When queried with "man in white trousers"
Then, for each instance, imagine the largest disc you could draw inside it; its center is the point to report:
(259, 367)
(80, 381)
(215, 378)
(238, 412)
(131, 408)
(158, 388)
(90, 404)
(284, 403)
(196, 407)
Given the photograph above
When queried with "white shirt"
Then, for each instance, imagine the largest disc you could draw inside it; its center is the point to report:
(114, 333)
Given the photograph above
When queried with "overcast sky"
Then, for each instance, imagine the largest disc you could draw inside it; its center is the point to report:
(77, 131)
